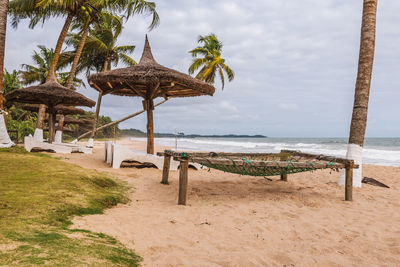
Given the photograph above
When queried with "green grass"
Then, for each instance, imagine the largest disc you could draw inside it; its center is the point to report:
(38, 197)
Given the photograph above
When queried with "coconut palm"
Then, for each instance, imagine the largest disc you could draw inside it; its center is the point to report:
(210, 63)
(101, 49)
(363, 84)
(5, 140)
(38, 72)
(99, 16)
(3, 28)
(11, 81)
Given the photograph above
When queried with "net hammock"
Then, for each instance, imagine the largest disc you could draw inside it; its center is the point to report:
(259, 164)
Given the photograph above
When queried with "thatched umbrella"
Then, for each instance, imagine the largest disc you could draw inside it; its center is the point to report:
(60, 109)
(148, 80)
(69, 120)
(50, 94)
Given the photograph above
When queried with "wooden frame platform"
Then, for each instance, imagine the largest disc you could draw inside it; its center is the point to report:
(237, 159)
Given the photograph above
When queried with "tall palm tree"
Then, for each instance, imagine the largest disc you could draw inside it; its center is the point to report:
(3, 29)
(38, 72)
(99, 16)
(5, 140)
(363, 84)
(11, 81)
(101, 51)
(210, 61)
(40, 10)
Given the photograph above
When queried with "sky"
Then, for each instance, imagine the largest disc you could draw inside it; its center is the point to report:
(295, 65)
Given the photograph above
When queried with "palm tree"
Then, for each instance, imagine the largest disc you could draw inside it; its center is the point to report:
(363, 84)
(40, 10)
(11, 81)
(211, 61)
(101, 51)
(38, 72)
(3, 28)
(5, 140)
(99, 16)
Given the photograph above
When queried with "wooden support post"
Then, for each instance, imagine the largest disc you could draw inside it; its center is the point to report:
(150, 126)
(61, 123)
(183, 181)
(349, 183)
(40, 116)
(52, 120)
(283, 175)
(165, 174)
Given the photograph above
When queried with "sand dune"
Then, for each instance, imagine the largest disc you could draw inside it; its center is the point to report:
(233, 220)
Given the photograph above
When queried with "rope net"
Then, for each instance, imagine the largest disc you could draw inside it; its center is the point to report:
(278, 164)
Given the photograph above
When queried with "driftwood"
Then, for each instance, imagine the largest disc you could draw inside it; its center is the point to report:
(372, 181)
(119, 121)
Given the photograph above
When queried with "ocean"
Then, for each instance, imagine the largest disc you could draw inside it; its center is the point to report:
(378, 151)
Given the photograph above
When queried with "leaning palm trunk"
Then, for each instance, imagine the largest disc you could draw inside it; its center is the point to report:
(5, 140)
(3, 29)
(363, 84)
(53, 65)
(71, 77)
(78, 54)
(98, 103)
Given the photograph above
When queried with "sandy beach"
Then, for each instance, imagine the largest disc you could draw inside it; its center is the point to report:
(233, 220)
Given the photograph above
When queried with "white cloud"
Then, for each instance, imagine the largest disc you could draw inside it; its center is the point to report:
(286, 55)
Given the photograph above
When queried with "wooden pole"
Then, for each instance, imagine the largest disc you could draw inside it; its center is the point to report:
(96, 116)
(149, 106)
(165, 174)
(349, 183)
(183, 181)
(61, 123)
(52, 117)
(119, 121)
(283, 175)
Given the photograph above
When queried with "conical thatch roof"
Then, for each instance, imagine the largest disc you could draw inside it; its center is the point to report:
(60, 109)
(69, 120)
(51, 94)
(149, 79)
(65, 130)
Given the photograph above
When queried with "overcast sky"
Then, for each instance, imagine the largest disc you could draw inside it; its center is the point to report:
(295, 66)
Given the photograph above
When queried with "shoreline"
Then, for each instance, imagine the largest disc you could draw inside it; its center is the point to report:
(233, 220)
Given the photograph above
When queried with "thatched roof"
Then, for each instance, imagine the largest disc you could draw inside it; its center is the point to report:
(69, 120)
(65, 130)
(51, 94)
(140, 79)
(60, 109)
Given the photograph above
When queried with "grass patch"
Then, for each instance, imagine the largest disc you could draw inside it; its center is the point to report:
(39, 195)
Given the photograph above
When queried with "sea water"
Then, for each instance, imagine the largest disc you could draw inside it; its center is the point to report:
(379, 151)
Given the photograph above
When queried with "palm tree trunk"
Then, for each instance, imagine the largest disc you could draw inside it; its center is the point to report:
(53, 66)
(96, 116)
(98, 103)
(5, 140)
(57, 51)
(77, 57)
(3, 29)
(361, 96)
